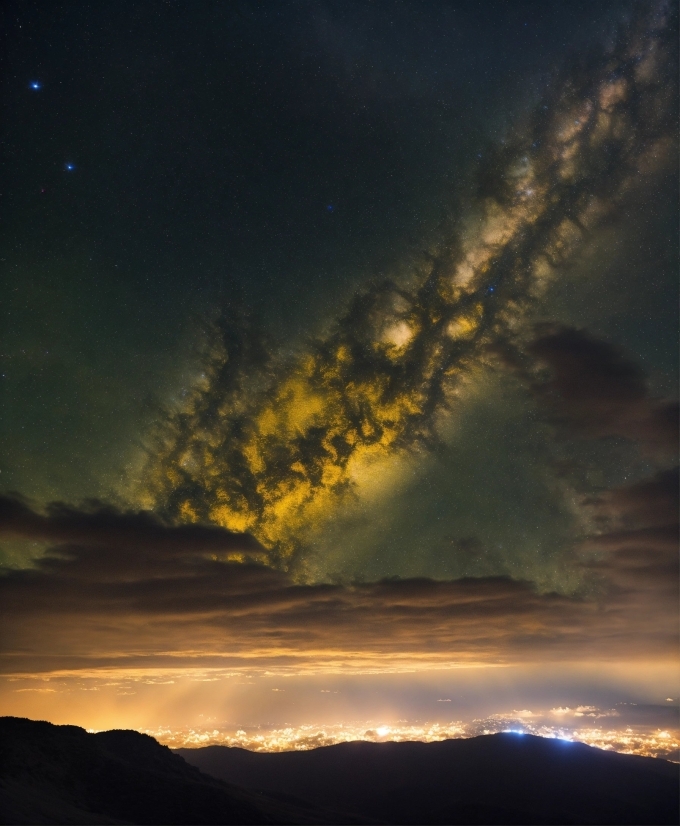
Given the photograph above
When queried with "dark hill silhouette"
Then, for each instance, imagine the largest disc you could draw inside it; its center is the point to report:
(62, 774)
(495, 779)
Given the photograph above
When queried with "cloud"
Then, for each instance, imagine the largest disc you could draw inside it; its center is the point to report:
(648, 503)
(638, 555)
(597, 391)
(125, 591)
(134, 535)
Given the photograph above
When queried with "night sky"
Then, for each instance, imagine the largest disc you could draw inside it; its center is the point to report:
(338, 339)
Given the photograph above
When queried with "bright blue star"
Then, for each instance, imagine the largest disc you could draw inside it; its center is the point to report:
(69, 167)
(35, 84)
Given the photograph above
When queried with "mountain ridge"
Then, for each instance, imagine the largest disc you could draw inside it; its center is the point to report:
(498, 778)
(63, 774)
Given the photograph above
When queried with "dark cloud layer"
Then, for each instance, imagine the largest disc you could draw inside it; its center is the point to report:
(649, 503)
(638, 554)
(597, 391)
(121, 589)
(101, 525)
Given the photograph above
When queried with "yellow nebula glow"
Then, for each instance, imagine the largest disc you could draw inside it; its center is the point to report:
(276, 460)
(398, 334)
(612, 93)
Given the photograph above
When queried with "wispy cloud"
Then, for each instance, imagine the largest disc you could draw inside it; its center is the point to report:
(114, 597)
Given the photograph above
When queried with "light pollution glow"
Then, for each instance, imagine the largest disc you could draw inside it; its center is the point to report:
(188, 708)
(271, 450)
(640, 741)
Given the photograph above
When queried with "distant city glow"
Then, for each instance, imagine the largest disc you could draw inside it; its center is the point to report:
(644, 742)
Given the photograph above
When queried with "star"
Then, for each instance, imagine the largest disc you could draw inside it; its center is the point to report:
(35, 85)
(69, 167)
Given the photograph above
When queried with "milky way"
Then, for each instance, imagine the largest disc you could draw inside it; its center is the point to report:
(272, 449)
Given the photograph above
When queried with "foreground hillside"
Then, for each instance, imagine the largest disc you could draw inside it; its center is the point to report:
(499, 778)
(62, 774)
